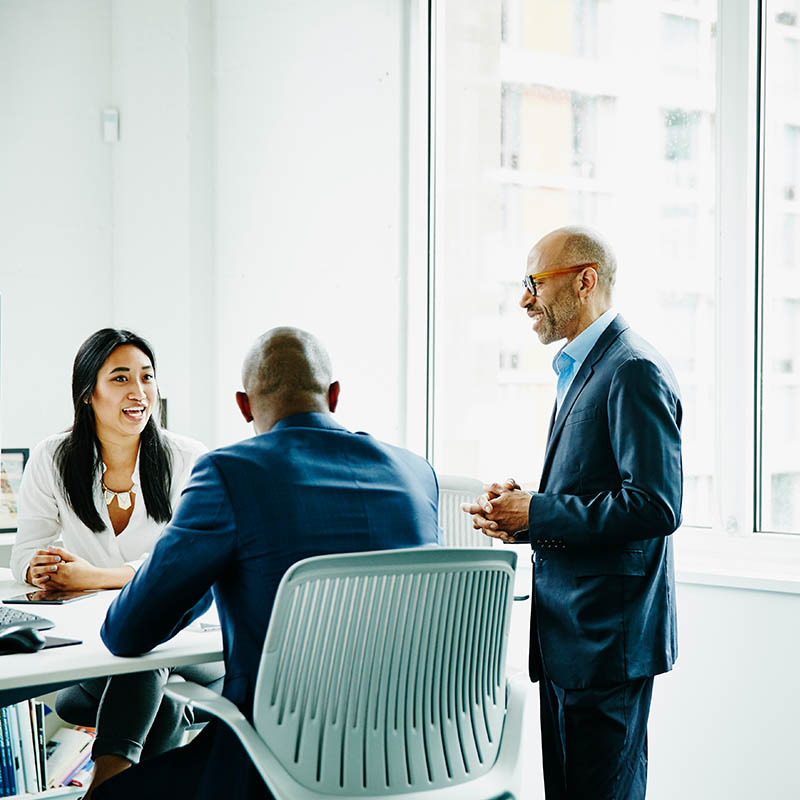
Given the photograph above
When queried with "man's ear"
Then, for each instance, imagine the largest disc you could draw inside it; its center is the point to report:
(333, 396)
(243, 401)
(588, 279)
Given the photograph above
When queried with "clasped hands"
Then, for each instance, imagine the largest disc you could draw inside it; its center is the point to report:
(501, 511)
(56, 568)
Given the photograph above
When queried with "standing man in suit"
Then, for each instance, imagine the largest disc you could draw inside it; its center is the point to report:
(303, 486)
(603, 600)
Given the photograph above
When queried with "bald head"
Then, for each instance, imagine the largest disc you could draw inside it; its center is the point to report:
(287, 371)
(571, 246)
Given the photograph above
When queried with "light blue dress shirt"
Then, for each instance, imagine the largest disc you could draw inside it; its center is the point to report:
(568, 359)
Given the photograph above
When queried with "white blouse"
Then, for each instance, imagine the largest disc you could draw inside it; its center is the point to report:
(45, 514)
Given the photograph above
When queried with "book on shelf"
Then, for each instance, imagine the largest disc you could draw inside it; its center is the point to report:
(4, 787)
(67, 749)
(27, 741)
(19, 761)
(16, 754)
(30, 747)
(3, 775)
(41, 745)
(29, 763)
(9, 784)
(82, 775)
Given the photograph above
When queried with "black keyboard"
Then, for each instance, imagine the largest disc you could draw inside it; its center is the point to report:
(12, 617)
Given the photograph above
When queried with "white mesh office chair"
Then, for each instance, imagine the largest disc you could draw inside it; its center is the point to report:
(383, 675)
(457, 526)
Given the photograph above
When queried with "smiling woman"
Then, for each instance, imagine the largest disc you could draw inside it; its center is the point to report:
(114, 446)
(106, 488)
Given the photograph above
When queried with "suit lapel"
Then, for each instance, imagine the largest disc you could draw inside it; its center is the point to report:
(609, 335)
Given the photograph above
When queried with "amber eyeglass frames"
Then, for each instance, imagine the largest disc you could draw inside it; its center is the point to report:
(529, 281)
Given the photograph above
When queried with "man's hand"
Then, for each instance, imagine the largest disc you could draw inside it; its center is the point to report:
(500, 511)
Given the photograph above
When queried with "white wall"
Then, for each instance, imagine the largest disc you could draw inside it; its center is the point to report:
(260, 179)
(162, 196)
(95, 234)
(311, 193)
(724, 723)
(55, 205)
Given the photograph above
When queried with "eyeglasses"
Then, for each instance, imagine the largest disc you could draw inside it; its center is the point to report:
(529, 281)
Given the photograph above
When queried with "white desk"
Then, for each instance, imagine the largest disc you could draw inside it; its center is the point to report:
(82, 620)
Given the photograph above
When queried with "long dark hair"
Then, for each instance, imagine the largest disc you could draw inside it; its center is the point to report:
(78, 457)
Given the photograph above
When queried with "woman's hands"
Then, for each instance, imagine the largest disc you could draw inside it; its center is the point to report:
(56, 568)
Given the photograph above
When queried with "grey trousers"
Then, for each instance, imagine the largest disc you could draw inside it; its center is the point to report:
(133, 717)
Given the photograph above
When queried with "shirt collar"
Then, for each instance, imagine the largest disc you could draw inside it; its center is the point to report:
(576, 351)
(310, 419)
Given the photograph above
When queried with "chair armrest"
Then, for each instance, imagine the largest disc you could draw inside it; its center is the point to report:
(200, 697)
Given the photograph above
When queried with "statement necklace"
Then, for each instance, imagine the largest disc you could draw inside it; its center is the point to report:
(123, 498)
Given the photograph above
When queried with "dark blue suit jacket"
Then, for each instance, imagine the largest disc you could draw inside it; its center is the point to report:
(251, 510)
(610, 496)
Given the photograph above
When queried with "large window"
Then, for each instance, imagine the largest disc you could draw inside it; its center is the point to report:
(615, 114)
(596, 112)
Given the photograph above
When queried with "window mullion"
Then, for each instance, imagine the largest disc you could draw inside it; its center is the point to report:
(417, 411)
(736, 136)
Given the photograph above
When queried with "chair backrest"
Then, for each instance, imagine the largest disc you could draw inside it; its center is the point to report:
(457, 526)
(384, 672)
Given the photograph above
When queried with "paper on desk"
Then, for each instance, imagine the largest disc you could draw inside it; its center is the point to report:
(209, 621)
(202, 627)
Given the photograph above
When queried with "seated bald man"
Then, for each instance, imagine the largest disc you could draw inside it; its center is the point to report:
(303, 486)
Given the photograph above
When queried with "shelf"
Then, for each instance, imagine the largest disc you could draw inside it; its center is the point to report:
(62, 792)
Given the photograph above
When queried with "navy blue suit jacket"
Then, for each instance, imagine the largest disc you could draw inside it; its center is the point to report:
(610, 496)
(307, 487)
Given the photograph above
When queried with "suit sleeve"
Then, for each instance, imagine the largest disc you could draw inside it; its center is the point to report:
(644, 416)
(173, 586)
